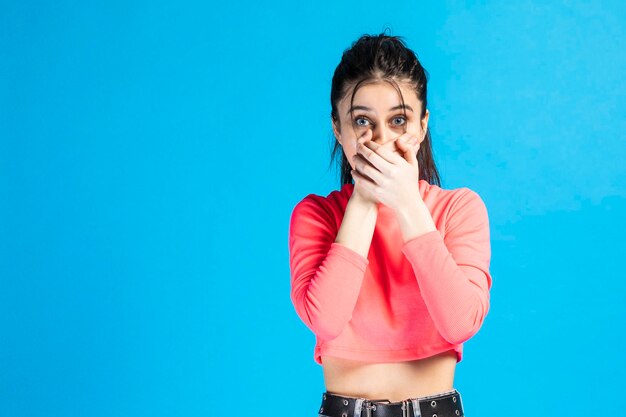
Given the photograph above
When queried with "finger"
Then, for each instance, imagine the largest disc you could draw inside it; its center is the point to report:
(365, 168)
(363, 180)
(365, 136)
(412, 155)
(380, 156)
(368, 162)
(406, 137)
(364, 165)
(409, 149)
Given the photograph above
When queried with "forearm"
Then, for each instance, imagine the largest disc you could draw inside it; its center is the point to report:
(415, 220)
(357, 226)
(454, 293)
(457, 296)
(326, 280)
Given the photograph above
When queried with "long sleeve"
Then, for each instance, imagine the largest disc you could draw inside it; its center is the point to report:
(453, 272)
(326, 276)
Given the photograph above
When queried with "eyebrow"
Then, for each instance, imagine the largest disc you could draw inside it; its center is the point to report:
(399, 106)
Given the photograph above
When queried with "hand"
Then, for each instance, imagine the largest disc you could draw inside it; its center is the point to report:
(360, 192)
(385, 176)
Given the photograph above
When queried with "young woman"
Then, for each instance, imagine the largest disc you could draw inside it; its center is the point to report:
(391, 272)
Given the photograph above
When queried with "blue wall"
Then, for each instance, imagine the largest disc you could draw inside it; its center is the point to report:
(151, 153)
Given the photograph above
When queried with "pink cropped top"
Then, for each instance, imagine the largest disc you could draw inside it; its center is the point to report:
(406, 300)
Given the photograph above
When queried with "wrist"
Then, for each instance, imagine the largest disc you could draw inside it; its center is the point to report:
(358, 199)
(415, 220)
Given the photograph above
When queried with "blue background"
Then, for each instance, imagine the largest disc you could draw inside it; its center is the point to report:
(151, 154)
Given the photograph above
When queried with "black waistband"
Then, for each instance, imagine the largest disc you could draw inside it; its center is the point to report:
(444, 404)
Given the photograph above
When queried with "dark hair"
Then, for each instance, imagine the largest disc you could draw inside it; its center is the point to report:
(381, 58)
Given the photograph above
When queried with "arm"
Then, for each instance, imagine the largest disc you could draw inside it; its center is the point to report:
(328, 266)
(453, 272)
(357, 226)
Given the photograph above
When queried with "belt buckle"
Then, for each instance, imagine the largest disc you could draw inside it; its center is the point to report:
(405, 408)
(369, 406)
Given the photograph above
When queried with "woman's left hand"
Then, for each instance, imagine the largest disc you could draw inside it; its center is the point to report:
(392, 178)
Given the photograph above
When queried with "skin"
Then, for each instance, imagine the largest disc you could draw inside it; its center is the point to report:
(380, 124)
(386, 172)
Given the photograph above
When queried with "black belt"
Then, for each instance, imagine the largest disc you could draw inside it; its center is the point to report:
(445, 404)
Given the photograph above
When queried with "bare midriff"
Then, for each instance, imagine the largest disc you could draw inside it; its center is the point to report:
(393, 381)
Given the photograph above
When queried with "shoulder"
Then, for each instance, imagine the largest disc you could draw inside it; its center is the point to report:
(467, 207)
(448, 198)
(330, 206)
(466, 198)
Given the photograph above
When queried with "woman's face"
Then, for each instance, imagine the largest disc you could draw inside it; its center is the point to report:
(377, 107)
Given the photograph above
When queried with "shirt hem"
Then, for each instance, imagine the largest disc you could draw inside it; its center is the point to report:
(396, 355)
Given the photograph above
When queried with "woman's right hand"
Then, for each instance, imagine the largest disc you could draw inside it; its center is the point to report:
(363, 195)
(360, 193)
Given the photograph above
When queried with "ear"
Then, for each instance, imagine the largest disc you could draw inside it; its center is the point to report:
(424, 123)
(335, 130)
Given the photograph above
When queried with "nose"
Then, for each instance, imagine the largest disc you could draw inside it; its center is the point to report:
(384, 136)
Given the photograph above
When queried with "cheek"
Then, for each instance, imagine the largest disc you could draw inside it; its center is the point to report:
(349, 153)
(350, 157)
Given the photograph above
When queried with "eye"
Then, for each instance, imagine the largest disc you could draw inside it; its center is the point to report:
(402, 120)
(359, 119)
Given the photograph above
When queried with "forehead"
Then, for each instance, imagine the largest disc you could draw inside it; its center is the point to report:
(382, 96)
